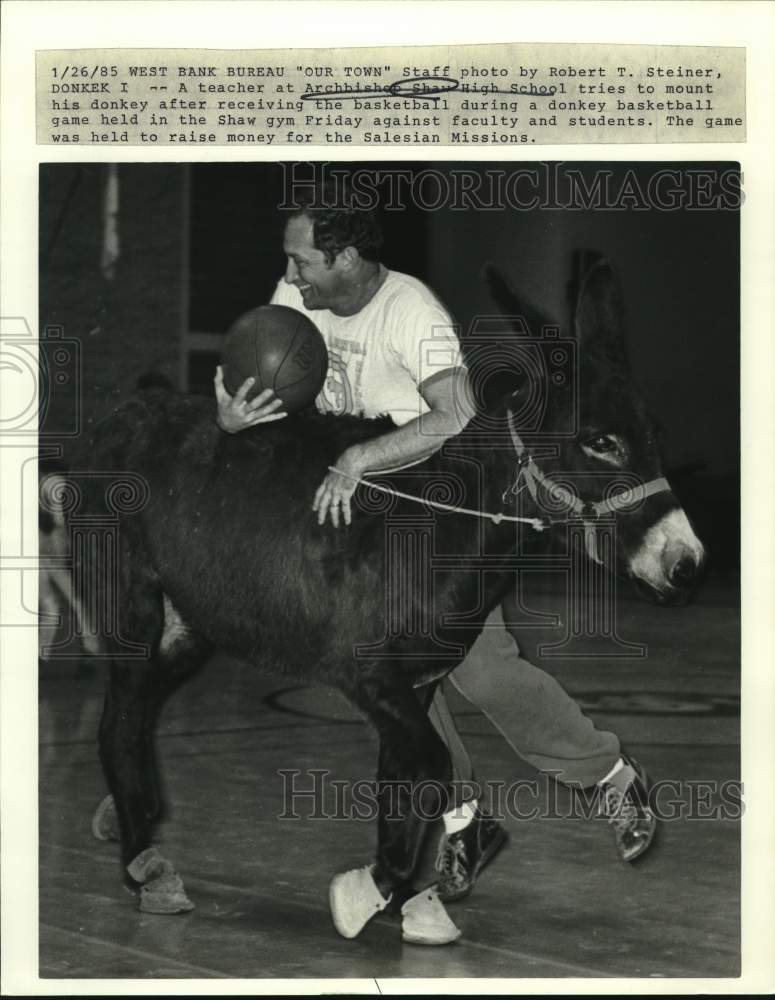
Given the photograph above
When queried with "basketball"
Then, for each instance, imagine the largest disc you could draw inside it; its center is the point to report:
(282, 349)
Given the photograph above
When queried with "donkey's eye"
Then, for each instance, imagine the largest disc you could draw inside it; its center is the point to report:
(609, 448)
(602, 444)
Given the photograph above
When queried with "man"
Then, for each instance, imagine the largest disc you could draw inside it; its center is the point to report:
(377, 325)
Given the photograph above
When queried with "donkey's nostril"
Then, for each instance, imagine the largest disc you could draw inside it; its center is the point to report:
(683, 572)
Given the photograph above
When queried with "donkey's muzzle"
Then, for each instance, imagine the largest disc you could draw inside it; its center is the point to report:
(683, 578)
(684, 573)
(668, 563)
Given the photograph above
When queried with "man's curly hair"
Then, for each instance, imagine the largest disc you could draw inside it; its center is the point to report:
(339, 221)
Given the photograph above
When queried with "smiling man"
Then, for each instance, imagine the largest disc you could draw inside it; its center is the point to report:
(393, 351)
(392, 348)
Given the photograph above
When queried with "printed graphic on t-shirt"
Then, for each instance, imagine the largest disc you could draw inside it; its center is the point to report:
(336, 395)
(341, 392)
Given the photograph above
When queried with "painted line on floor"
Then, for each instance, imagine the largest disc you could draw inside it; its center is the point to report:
(154, 957)
(283, 726)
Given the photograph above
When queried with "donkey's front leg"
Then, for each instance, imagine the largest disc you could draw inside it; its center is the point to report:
(413, 783)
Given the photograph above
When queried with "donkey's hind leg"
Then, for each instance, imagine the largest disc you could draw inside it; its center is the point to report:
(122, 752)
(136, 693)
(167, 673)
(180, 654)
(123, 725)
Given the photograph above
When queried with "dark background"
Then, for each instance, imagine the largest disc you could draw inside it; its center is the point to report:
(201, 243)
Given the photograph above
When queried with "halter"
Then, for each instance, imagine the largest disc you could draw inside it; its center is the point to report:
(588, 511)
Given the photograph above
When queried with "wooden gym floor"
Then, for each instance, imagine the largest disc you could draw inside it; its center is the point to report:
(557, 902)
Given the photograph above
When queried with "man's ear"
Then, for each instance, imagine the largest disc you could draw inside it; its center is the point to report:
(349, 258)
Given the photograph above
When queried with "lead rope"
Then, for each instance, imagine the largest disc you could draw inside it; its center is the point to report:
(535, 522)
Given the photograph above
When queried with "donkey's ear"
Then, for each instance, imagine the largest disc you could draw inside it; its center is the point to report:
(598, 316)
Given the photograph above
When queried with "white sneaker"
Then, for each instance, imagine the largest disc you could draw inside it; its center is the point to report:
(425, 921)
(354, 899)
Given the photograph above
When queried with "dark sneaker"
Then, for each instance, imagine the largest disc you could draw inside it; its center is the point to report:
(624, 801)
(463, 855)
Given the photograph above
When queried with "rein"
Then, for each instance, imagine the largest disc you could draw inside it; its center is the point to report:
(587, 511)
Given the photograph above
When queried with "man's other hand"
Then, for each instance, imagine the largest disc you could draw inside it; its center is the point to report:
(334, 493)
(235, 413)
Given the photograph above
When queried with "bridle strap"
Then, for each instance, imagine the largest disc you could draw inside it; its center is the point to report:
(632, 495)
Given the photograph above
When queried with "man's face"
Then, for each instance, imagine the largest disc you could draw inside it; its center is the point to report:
(321, 284)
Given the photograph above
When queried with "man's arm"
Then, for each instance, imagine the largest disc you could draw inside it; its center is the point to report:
(450, 400)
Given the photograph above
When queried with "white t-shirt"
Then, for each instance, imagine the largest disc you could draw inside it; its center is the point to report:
(381, 356)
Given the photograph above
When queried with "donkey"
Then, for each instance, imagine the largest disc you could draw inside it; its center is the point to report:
(226, 553)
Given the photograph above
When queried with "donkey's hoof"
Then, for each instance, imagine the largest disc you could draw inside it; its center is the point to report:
(165, 894)
(354, 899)
(425, 921)
(104, 824)
(161, 888)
